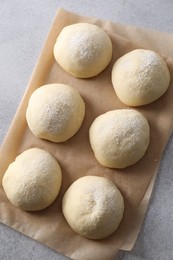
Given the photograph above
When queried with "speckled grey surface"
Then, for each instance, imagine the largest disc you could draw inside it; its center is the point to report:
(24, 26)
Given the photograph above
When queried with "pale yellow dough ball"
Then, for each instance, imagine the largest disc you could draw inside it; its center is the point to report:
(119, 138)
(55, 112)
(140, 77)
(32, 182)
(83, 49)
(93, 207)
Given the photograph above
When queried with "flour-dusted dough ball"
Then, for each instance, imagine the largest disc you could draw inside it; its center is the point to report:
(55, 112)
(32, 182)
(93, 207)
(119, 138)
(140, 77)
(83, 49)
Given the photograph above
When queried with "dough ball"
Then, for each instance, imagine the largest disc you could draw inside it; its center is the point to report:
(83, 50)
(140, 77)
(119, 138)
(32, 182)
(93, 207)
(55, 112)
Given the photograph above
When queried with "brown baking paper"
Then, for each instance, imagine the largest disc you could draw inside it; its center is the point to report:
(76, 157)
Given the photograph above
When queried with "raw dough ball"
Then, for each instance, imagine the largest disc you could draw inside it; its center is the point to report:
(119, 138)
(32, 182)
(93, 207)
(55, 112)
(83, 49)
(140, 77)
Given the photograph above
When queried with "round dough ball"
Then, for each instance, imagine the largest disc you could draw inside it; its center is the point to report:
(119, 138)
(93, 207)
(32, 182)
(55, 112)
(83, 50)
(140, 77)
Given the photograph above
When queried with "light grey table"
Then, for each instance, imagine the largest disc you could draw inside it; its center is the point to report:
(24, 26)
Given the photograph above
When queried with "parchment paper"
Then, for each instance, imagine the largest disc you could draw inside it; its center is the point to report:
(76, 157)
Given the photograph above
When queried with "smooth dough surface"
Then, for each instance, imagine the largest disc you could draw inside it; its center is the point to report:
(32, 182)
(55, 112)
(83, 49)
(140, 77)
(119, 138)
(93, 207)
